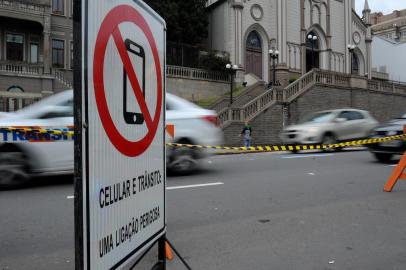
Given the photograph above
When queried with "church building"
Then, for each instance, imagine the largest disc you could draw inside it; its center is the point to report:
(305, 34)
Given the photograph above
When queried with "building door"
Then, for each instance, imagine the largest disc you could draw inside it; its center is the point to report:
(253, 54)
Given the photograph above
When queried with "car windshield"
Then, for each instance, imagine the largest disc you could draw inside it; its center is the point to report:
(322, 117)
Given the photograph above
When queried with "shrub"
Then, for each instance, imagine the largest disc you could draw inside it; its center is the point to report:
(212, 62)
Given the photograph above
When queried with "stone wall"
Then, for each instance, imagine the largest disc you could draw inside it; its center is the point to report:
(195, 90)
(30, 84)
(382, 106)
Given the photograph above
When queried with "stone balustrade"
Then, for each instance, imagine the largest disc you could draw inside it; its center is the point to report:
(22, 6)
(26, 69)
(196, 74)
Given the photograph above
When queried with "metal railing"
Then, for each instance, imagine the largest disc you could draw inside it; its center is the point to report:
(196, 74)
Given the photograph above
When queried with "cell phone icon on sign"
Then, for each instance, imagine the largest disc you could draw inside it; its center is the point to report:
(137, 57)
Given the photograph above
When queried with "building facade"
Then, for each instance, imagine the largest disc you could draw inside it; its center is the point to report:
(36, 50)
(391, 26)
(248, 29)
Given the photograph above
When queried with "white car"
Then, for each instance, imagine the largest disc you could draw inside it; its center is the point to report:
(20, 159)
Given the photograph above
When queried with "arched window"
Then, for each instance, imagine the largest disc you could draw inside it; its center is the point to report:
(254, 41)
(15, 89)
(13, 104)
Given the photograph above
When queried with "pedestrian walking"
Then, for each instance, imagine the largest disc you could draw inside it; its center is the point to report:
(247, 134)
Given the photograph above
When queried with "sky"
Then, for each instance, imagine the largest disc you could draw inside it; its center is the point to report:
(386, 6)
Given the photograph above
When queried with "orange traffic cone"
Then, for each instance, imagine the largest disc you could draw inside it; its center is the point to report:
(170, 128)
(168, 252)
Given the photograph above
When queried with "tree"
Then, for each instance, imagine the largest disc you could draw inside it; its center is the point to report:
(186, 20)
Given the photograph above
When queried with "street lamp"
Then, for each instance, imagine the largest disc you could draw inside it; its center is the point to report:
(312, 38)
(274, 55)
(232, 69)
(351, 49)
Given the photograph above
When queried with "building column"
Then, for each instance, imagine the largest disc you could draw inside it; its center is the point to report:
(368, 64)
(329, 50)
(348, 34)
(302, 37)
(46, 45)
(238, 6)
(282, 30)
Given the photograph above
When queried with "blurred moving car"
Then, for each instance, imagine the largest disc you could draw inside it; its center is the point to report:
(384, 151)
(22, 157)
(193, 125)
(329, 127)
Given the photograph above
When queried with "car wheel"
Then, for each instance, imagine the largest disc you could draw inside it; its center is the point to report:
(383, 157)
(182, 161)
(13, 168)
(330, 139)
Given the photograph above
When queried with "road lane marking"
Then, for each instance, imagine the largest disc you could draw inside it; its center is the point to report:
(194, 186)
(307, 156)
(394, 165)
(70, 197)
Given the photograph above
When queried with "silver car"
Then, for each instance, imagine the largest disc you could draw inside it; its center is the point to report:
(328, 127)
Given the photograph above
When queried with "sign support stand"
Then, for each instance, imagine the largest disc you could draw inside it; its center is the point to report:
(161, 252)
(77, 95)
(397, 174)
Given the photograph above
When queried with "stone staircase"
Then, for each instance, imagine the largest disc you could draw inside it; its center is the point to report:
(248, 94)
(62, 82)
(241, 112)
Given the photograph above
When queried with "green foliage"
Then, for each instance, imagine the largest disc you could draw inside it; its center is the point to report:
(212, 62)
(292, 79)
(186, 20)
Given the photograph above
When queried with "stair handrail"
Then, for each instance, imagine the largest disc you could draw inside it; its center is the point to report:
(222, 99)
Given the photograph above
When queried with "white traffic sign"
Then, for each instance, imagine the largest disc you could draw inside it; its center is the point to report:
(123, 136)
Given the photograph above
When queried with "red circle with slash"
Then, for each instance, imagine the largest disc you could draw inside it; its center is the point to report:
(110, 28)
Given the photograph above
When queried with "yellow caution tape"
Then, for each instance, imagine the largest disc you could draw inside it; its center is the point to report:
(267, 148)
(277, 148)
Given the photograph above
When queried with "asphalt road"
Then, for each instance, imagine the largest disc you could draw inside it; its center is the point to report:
(258, 211)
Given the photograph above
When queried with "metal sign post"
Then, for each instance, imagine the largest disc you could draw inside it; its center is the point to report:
(120, 173)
